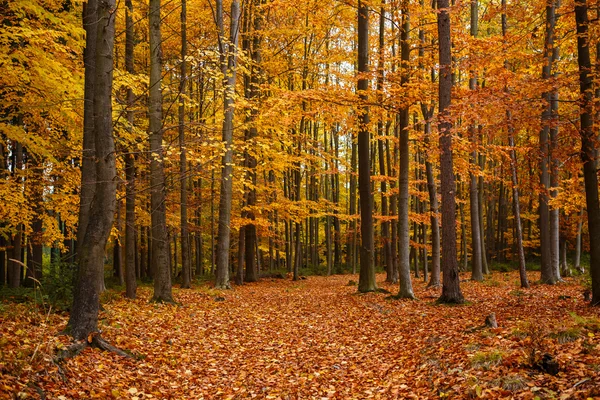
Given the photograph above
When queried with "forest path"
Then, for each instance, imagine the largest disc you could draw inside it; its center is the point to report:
(318, 338)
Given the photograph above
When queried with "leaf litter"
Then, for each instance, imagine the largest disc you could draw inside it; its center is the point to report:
(315, 339)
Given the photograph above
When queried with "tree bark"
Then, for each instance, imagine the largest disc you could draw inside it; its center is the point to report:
(229, 73)
(547, 270)
(186, 269)
(84, 313)
(366, 280)
(451, 292)
(406, 290)
(476, 261)
(130, 236)
(161, 262)
(588, 145)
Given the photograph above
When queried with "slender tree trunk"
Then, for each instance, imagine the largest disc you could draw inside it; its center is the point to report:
(130, 237)
(451, 284)
(366, 282)
(161, 261)
(476, 262)
(15, 274)
(86, 298)
(406, 290)
(253, 93)
(186, 269)
(385, 224)
(88, 170)
(547, 270)
(351, 248)
(515, 182)
(229, 73)
(118, 249)
(578, 243)
(588, 145)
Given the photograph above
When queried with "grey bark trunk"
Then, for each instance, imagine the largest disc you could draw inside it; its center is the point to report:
(186, 269)
(406, 290)
(476, 261)
(86, 298)
(161, 262)
(229, 73)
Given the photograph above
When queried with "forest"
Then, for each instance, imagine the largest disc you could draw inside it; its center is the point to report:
(277, 199)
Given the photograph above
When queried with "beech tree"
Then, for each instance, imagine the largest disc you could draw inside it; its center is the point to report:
(228, 53)
(451, 280)
(161, 261)
(99, 216)
(588, 144)
(366, 281)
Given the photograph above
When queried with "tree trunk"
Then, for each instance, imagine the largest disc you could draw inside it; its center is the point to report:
(406, 290)
(130, 237)
(547, 270)
(161, 262)
(476, 262)
(588, 146)
(351, 247)
(229, 73)
(366, 281)
(186, 269)
(385, 224)
(515, 182)
(86, 301)
(451, 284)
(578, 243)
(88, 170)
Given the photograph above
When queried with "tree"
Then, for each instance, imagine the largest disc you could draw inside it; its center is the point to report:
(100, 214)
(228, 66)
(451, 280)
(476, 257)
(130, 236)
(186, 270)
(588, 144)
(546, 225)
(406, 290)
(161, 262)
(514, 177)
(366, 282)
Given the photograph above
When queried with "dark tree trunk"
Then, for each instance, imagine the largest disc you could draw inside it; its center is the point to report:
(366, 282)
(476, 262)
(161, 262)
(130, 231)
(451, 283)
(588, 145)
(186, 269)
(84, 313)
(351, 246)
(88, 170)
(515, 183)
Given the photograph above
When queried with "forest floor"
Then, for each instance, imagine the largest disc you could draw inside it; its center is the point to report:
(315, 339)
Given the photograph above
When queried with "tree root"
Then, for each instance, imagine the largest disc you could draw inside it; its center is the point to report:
(96, 341)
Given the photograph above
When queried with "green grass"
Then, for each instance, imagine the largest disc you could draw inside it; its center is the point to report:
(566, 335)
(486, 360)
